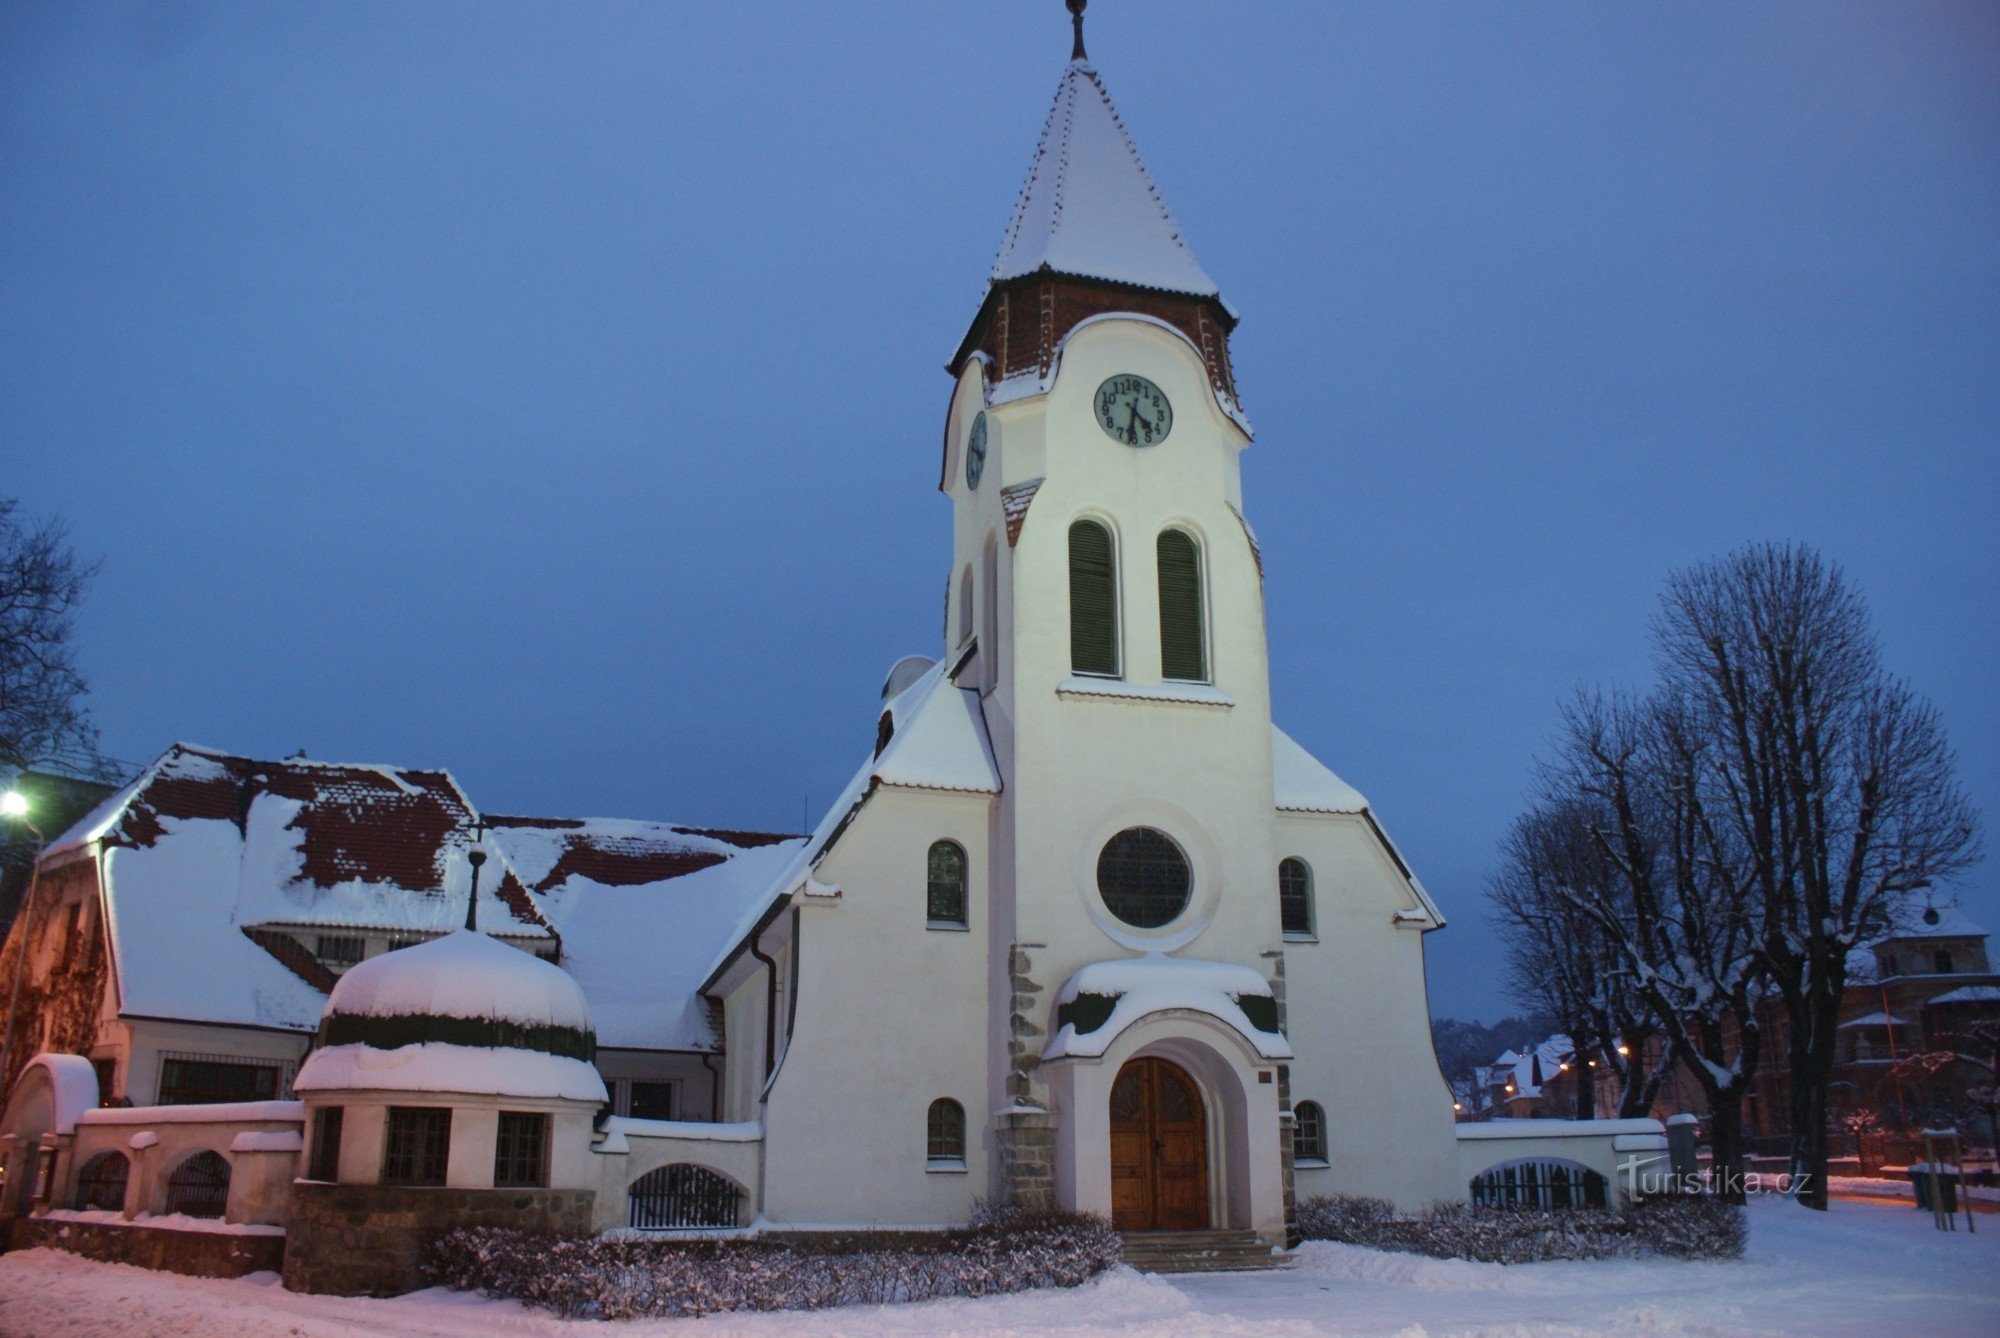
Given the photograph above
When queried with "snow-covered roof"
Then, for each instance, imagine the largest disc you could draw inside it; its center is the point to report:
(643, 908)
(205, 845)
(1154, 983)
(1933, 921)
(1303, 784)
(1089, 207)
(464, 974)
(72, 1088)
(1966, 994)
(1875, 1019)
(1518, 1066)
(938, 741)
(437, 1067)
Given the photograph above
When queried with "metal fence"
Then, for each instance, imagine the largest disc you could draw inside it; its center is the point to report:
(1540, 1184)
(681, 1198)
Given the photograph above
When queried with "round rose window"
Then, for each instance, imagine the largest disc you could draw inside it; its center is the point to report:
(1143, 877)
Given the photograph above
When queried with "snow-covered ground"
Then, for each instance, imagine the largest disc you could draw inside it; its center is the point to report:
(1864, 1268)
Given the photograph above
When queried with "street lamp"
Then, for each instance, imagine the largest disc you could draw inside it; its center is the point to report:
(14, 807)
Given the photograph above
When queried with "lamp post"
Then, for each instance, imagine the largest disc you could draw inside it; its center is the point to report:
(14, 808)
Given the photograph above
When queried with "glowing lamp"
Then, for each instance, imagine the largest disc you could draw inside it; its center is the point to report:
(13, 804)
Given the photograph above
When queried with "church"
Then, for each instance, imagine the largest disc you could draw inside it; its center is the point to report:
(1086, 929)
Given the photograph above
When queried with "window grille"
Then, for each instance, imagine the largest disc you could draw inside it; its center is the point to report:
(1143, 877)
(1093, 600)
(944, 899)
(1540, 1184)
(1308, 1132)
(1295, 909)
(101, 1183)
(651, 1101)
(195, 1080)
(419, 1145)
(199, 1186)
(1183, 656)
(339, 950)
(521, 1152)
(946, 1131)
(327, 1122)
(681, 1198)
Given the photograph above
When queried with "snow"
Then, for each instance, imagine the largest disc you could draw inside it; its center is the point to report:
(640, 950)
(620, 1128)
(208, 1226)
(1195, 694)
(72, 1087)
(1919, 922)
(463, 974)
(219, 1112)
(436, 1067)
(1862, 1269)
(1875, 1019)
(1302, 784)
(1901, 1189)
(270, 1140)
(1154, 983)
(940, 739)
(142, 1140)
(1970, 994)
(1559, 1128)
(1089, 206)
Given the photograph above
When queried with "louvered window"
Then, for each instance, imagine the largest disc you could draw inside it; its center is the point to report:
(1093, 601)
(1295, 898)
(1182, 654)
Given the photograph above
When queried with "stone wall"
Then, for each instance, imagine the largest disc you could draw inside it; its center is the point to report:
(370, 1240)
(200, 1254)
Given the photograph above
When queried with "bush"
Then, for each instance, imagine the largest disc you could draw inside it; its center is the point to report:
(1004, 1250)
(1669, 1226)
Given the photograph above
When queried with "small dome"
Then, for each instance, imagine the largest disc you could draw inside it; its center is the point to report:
(462, 1013)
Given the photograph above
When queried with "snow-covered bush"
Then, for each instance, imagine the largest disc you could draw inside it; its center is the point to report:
(1004, 1250)
(1676, 1227)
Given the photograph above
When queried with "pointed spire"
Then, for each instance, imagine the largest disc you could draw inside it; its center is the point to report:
(1076, 22)
(1089, 208)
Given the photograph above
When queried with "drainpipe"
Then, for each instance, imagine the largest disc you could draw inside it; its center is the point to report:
(770, 1008)
(714, 1088)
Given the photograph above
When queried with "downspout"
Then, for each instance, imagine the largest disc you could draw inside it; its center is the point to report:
(714, 1088)
(770, 1008)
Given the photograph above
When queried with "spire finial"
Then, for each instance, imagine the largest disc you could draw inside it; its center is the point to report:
(1076, 22)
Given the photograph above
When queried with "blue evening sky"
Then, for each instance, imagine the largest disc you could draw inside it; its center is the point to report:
(552, 392)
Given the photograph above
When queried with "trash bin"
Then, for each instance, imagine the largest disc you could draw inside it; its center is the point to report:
(1920, 1177)
(1944, 1179)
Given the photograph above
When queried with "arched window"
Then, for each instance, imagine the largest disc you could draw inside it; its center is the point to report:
(1093, 601)
(1941, 961)
(199, 1186)
(965, 607)
(101, 1182)
(944, 895)
(1295, 898)
(1183, 656)
(1308, 1133)
(681, 1197)
(945, 1131)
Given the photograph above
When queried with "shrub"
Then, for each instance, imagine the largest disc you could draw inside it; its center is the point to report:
(1672, 1226)
(1004, 1250)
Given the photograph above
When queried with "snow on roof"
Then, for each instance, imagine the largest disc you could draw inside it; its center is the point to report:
(1089, 207)
(1970, 994)
(1153, 983)
(643, 908)
(1945, 921)
(1303, 784)
(1518, 1066)
(1875, 1019)
(433, 1066)
(463, 974)
(72, 1088)
(206, 844)
(939, 742)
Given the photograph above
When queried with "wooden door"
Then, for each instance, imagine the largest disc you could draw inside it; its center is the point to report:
(1159, 1150)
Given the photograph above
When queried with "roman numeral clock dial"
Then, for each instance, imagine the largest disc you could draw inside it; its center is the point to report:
(1133, 410)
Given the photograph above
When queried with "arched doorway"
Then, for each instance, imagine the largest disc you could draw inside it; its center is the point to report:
(1159, 1150)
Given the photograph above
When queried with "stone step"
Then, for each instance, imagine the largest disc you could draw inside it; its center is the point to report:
(1200, 1252)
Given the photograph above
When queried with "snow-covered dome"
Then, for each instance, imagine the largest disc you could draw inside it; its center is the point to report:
(462, 1013)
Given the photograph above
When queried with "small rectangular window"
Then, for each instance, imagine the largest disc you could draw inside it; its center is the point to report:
(327, 1121)
(521, 1152)
(107, 1078)
(652, 1101)
(69, 945)
(338, 950)
(419, 1145)
(195, 1081)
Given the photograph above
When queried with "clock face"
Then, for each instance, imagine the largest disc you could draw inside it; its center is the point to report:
(975, 451)
(1133, 410)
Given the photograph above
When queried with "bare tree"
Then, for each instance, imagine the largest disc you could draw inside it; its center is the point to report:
(1560, 961)
(43, 721)
(1831, 780)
